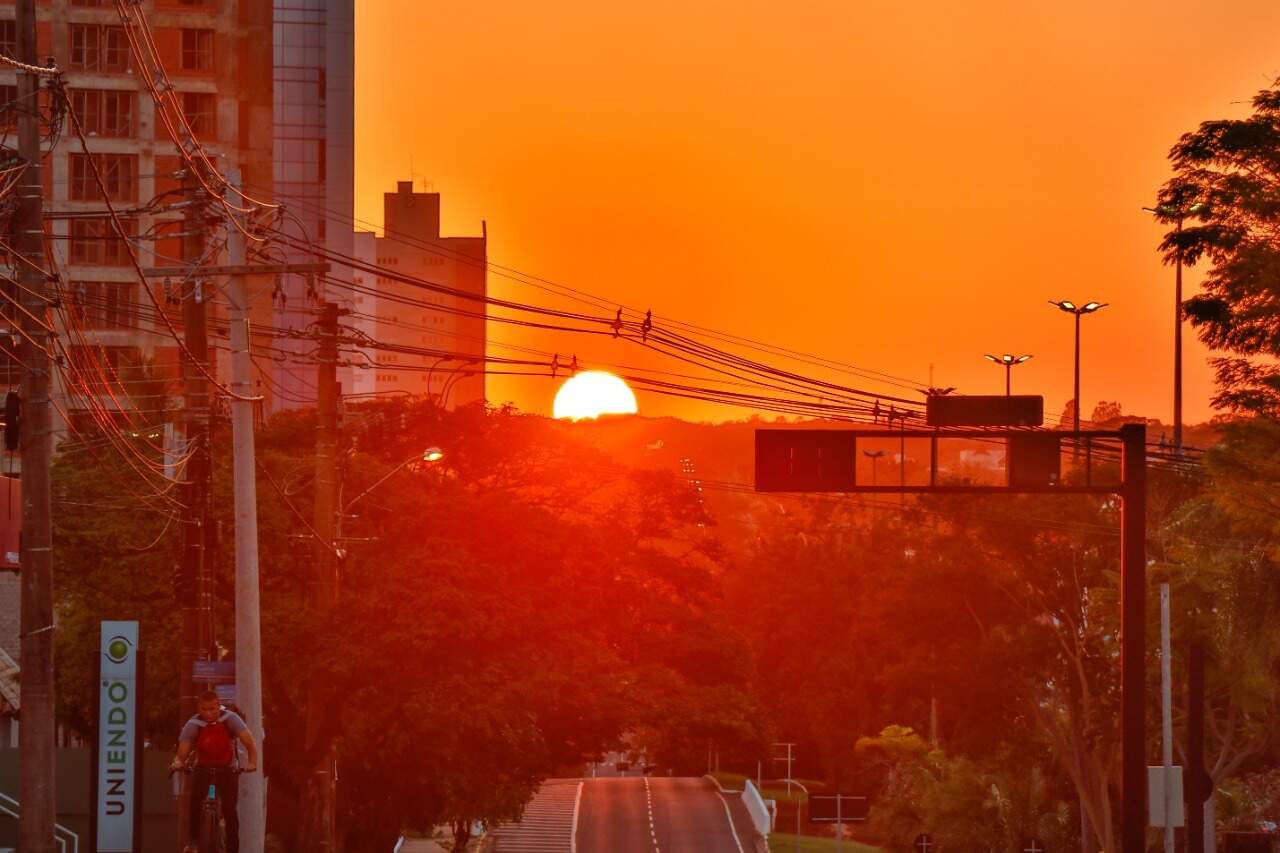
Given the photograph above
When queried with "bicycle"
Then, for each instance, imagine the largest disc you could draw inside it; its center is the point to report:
(212, 837)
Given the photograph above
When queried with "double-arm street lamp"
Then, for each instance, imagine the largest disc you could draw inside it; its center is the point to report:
(1079, 311)
(1008, 362)
(1178, 214)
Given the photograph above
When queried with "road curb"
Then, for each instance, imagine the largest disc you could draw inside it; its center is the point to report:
(721, 788)
(761, 844)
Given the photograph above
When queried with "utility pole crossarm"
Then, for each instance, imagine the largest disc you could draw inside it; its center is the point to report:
(236, 269)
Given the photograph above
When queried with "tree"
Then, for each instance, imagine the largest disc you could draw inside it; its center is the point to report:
(1224, 197)
(504, 615)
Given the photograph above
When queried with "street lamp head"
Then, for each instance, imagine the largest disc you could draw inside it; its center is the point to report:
(1021, 359)
(432, 454)
(1090, 307)
(990, 357)
(1066, 305)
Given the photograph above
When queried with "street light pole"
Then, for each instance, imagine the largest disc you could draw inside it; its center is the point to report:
(1008, 362)
(1180, 214)
(1079, 311)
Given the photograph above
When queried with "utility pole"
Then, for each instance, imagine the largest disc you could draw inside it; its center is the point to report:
(248, 626)
(321, 832)
(194, 598)
(38, 808)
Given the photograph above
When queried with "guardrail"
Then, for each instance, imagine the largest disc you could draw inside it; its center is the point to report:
(756, 808)
(62, 835)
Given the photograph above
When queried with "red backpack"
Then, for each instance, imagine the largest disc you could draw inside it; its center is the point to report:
(214, 747)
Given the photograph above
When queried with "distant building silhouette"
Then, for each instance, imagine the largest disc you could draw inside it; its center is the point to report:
(454, 328)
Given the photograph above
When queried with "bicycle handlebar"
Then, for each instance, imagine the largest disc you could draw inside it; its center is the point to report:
(188, 769)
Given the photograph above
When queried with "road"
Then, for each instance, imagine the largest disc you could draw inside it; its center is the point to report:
(660, 815)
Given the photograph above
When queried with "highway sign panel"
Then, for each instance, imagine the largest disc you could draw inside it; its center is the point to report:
(838, 808)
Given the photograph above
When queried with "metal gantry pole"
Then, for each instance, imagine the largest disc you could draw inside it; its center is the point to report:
(248, 627)
(1166, 716)
(1195, 771)
(37, 728)
(1133, 591)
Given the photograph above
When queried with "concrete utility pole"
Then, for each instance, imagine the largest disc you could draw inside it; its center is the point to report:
(36, 730)
(321, 833)
(248, 627)
(194, 598)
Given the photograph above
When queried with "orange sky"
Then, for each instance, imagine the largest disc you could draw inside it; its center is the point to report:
(891, 185)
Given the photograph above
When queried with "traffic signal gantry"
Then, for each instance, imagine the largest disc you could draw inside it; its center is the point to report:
(825, 460)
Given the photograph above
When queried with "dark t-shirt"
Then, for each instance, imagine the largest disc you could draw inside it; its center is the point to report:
(191, 734)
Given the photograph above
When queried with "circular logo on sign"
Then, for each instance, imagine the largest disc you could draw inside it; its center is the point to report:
(117, 649)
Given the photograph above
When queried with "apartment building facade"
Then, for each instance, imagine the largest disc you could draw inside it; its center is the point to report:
(223, 87)
(451, 327)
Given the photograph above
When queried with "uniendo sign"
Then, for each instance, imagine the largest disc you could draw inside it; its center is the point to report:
(117, 757)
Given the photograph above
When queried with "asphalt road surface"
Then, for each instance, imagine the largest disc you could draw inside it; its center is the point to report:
(660, 815)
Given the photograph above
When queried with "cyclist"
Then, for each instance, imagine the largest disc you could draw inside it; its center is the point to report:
(212, 734)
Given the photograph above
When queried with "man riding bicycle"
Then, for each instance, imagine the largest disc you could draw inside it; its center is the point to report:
(212, 734)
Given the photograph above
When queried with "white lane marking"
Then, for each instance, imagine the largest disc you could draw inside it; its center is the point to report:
(573, 834)
(728, 814)
(653, 830)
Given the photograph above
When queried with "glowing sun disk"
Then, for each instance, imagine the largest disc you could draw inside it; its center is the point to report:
(593, 393)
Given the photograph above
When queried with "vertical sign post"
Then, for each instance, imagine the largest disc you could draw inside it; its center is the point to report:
(117, 757)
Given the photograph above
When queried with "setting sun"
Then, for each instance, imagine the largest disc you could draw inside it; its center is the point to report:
(592, 394)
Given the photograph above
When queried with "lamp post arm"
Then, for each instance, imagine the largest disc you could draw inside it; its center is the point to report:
(381, 480)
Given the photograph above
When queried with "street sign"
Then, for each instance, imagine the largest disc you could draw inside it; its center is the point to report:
(1031, 845)
(117, 816)
(924, 843)
(805, 460)
(1155, 796)
(970, 410)
(838, 808)
(1035, 459)
(213, 671)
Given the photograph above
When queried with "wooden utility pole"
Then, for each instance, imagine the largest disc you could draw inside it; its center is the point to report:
(248, 622)
(321, 826)
(194, 588)
(36, 730)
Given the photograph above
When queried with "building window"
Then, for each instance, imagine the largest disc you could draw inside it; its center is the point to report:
(116, 54)
(96, 47)
(200, 108)
(197, 50)
(119, 174)
(103, 304)
(94, 242)
(104, 112)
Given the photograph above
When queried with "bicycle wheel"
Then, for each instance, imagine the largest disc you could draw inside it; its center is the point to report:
(209, 829)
